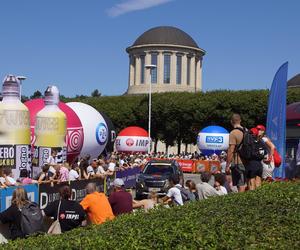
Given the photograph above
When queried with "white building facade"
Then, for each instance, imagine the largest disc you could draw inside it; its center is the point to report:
(176, 55)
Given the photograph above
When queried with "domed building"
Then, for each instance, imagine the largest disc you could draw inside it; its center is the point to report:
(177, 57)
(294, 82)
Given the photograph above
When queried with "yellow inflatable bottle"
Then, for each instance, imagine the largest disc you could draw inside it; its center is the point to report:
(14, 128)
(50, 130)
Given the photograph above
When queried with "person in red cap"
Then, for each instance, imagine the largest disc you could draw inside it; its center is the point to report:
(268, 163)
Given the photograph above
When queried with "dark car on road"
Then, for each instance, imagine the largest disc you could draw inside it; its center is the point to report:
(154, 177)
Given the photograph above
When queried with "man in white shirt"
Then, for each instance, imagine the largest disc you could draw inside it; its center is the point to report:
(92, 169)
(73, 174)
(174, 194)
(52, 161)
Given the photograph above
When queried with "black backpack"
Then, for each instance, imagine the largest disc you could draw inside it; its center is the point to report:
(250, 148)
(185, 194)
(31, 219)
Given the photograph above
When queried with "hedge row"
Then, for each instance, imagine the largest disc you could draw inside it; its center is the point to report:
(268, 218)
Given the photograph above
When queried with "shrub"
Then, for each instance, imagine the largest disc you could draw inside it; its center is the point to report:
(268, 218)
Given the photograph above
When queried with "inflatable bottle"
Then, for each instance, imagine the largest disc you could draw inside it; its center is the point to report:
(50, 131)
(14, 128)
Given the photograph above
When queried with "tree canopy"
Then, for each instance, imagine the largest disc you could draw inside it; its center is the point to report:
(178, 117)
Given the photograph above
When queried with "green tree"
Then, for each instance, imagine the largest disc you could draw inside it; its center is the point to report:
(37, 94)
(96, 93)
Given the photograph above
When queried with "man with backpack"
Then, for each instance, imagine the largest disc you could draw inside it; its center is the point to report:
(174, 194)
(234, 163)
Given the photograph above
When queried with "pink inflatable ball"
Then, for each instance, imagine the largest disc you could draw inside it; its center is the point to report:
(74, 137)
(132, 139)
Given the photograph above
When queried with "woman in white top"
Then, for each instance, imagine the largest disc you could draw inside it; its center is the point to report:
(268, 164)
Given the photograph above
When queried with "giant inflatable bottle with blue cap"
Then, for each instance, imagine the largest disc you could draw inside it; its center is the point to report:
(50, 130)
(14, 128)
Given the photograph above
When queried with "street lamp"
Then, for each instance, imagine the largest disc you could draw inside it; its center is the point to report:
(21, 78)
(150, 67)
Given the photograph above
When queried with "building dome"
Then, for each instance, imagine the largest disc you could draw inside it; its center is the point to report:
(167, 58)
(294, 82)
(165, 35)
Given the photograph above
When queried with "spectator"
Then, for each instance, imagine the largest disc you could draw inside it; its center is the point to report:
(174, 194)
(24, 178)
(120, 200)
(192, 188)
(83, 165)
(92, 169)
(63, 172)
(254, 167)
(71, 214)
(52, 161)
(147, 204)
(268, 163)
(234, 162)
(96, 205)
(204, 189)
(220, 181)
(44, 175)
(12, 215)
(73, 174)
(7, 178)
(100, 170)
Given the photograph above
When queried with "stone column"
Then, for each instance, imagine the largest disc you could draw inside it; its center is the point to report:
(173, 69)
(192, 72)
(198, 75)
(147, 71)
(131, 70)
(183, 70)
(137, 70)
(160, 68)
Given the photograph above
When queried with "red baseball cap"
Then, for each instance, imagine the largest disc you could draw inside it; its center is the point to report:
(261, 127)
(254, 131)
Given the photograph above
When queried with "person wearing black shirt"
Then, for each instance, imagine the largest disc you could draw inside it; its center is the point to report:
(71, 214)
(12, 215)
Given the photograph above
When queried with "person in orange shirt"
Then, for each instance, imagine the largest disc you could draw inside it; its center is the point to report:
(96, 205)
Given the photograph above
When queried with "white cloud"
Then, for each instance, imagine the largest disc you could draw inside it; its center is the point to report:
(133, 5)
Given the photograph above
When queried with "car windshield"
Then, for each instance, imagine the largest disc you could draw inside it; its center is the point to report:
(158, 169)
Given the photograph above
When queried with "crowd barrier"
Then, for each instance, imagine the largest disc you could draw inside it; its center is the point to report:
(197, 166)
(129, 176)
(46, 193)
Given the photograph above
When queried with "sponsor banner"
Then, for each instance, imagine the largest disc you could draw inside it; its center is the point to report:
(186, 165)
(132, 144)
(41, 155)
(129, 176)
(49, 193)
(276, 118)
(15, 155)
(213, 141)
(7, 193)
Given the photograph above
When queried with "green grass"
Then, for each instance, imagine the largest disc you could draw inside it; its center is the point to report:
(268, 218)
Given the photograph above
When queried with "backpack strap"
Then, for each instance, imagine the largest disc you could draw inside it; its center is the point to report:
(57, 218)
(243, 130)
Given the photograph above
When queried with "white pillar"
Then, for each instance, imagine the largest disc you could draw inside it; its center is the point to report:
(137, 70)
(147, 72)
(131, 70)
(192, 73)
(173, 69)
(198, 75)
(160, 68)
(183, 70)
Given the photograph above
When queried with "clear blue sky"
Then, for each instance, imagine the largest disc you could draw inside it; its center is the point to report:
(80, 45)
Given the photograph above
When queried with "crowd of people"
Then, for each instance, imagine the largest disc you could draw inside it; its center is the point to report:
(96, 207)
(237, 174)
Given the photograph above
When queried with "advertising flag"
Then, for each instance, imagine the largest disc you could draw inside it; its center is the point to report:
(276, 119)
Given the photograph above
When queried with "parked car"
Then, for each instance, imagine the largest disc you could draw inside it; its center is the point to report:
(154, 177)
